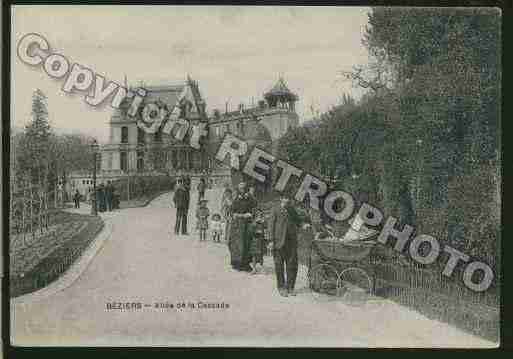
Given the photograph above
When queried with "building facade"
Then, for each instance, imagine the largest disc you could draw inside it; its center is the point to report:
(131, 151)
(274, 114)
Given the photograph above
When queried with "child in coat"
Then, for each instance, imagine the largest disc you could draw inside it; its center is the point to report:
(217, 227)
(202, 214)
(257, 245)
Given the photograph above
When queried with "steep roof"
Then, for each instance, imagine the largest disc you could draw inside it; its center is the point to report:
(167, 94)
(280, 89)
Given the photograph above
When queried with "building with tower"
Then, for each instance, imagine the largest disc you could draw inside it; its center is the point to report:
(276, 113)
(132, 151)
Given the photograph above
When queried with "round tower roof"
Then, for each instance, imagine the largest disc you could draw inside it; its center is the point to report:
(280, 89)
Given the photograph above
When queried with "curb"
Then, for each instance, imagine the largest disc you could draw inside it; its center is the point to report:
(73, 272)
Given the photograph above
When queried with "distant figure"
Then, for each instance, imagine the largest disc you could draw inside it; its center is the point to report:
(217, 227)
(226, 209)
(181, 201)
(187, 182)
(115, 199)
(202, 186)
(202, 214)
(100, 198)
(109, 192)
(60, 194)
(76, 199)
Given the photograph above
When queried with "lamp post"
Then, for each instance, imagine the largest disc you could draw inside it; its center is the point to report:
(94, 208)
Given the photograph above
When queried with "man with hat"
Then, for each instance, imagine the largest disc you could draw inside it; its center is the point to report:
(283, 226)
(181, 201)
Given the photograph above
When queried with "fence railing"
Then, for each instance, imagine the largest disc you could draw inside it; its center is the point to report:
(31, 210)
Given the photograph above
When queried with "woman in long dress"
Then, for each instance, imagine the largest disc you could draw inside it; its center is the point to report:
(226, 210)
(242, 213)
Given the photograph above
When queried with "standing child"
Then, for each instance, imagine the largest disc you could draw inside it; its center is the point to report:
(217, 227)
(202, 214)
(257, 246)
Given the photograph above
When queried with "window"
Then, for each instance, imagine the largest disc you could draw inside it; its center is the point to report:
(140, 135)
(124, 134)
(140, 160)
(83, 181)
(123, 161)
(157, 137)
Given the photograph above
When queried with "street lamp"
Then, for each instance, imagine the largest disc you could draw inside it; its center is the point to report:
(94, 208)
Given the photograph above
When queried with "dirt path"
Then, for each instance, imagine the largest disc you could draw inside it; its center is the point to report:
(143, 262)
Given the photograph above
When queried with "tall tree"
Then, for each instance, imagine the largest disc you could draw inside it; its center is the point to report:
(34, 147)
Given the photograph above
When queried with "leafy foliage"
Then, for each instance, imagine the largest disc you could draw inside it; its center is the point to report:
(423, 143)
(45, 158)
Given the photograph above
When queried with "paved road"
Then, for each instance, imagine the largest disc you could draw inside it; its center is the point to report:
(142, 261)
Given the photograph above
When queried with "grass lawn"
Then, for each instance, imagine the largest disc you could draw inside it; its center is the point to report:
(38, 260)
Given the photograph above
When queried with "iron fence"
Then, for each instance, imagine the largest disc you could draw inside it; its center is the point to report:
(31, 210)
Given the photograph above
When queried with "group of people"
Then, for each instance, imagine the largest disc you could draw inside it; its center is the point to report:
(106, 198)
(246, 229)
(247, 239)
(182, 199)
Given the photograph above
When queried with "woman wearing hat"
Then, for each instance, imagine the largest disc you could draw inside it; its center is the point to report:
(239, 239)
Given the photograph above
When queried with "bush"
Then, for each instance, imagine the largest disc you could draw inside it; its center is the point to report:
(143, 186)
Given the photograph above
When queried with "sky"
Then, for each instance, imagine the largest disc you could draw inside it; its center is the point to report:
(235, 53)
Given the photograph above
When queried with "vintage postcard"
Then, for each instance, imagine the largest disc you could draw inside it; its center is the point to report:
(255, 176)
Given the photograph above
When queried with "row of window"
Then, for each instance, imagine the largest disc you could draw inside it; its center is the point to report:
(220, 130)
(141, 135)
(233, 127)
(84, 182)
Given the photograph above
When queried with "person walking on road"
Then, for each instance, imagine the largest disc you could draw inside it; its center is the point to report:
(181, 201)
(109, 192)
(100, 198)
(283, 233)
(76, 199)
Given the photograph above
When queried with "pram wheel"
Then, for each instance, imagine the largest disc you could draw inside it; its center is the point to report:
(323, 279)
(355, 285)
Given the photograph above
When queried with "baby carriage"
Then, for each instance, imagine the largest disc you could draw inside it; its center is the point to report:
(341, 266)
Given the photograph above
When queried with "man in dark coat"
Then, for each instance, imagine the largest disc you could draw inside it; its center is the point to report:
(181, 201)
(100, 198)
(283, 226)
(109, 192)
(76, 199)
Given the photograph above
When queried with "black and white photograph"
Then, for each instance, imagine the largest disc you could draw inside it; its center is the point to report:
(254, 176)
